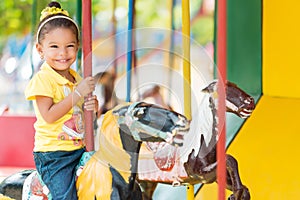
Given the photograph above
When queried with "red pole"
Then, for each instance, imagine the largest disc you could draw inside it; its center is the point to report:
(221, 63)
(87, 67)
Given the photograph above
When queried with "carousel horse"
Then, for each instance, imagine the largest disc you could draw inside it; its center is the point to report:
(195, 162)
(110, 172)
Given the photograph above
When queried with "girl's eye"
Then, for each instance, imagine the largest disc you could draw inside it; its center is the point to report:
(53, 46)
(71, 45)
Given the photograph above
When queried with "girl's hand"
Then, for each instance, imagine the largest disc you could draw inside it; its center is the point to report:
(91, 103)
(86, 86)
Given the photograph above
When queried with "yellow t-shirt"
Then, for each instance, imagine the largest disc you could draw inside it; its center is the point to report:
(54, 136)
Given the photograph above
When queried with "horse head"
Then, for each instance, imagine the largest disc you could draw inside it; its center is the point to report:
(152, 123)
(237, 100)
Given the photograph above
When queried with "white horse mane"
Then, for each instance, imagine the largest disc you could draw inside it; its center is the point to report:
(201, 125)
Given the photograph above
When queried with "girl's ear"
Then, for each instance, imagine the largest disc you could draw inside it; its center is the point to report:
(39, 50)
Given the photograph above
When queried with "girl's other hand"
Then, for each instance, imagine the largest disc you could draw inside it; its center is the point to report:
(91, 103)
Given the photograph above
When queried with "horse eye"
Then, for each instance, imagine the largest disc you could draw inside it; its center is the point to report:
(140, 111)
(246, 101)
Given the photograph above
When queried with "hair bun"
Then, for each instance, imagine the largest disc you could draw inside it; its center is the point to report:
(54, 4)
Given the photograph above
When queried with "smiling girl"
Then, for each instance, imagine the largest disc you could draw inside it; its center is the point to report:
(58, 92)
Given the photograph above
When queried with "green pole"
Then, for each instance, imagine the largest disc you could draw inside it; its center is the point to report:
(33, 25)
(79, 22)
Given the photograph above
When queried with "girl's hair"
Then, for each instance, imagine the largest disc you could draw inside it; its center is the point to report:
(53, 16)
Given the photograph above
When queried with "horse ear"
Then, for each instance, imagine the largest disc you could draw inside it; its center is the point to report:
(205, 90)
(210, 88)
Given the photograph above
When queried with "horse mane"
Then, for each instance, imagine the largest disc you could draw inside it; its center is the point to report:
(110, 145)
(203, 125)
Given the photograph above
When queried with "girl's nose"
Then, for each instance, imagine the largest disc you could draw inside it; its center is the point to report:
(62, 51)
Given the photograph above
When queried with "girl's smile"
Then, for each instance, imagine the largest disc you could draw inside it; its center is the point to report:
(59, 49)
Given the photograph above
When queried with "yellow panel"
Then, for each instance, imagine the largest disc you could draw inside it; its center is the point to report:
(281, 32)
(267, 149)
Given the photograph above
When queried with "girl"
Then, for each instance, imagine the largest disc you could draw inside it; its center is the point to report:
(57, 92)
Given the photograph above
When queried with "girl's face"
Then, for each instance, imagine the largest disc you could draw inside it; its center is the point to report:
(59, 48)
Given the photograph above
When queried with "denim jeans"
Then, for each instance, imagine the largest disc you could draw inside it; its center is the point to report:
(57, 170)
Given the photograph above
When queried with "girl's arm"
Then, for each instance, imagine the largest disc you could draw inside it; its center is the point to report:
(51, 111)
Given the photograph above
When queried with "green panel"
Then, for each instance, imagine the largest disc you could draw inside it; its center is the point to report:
(244, 52)
(244, 46)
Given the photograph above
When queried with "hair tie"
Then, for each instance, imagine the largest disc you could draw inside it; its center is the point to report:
(52, 11)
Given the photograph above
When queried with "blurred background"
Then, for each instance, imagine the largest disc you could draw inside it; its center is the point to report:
(19, 19)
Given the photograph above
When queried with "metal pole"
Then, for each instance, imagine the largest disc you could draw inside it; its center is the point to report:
(171, 51)
(187, 71)
(129, 48)
(221, 63)
(186, 57)
(33, 24)
(114, 31)
(87, 69)
(79, 21)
